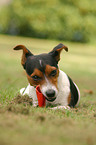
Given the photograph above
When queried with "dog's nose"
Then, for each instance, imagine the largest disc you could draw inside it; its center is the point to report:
(50, 93)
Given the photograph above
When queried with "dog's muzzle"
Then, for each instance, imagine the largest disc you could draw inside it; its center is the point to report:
(49, 91)
(50, 95)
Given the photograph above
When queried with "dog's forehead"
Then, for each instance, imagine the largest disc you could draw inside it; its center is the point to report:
(39, 62)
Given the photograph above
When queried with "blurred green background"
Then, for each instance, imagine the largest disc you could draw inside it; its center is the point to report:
(71, 20)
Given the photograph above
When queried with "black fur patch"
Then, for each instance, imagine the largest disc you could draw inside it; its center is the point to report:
(74, 94)
(40, 62)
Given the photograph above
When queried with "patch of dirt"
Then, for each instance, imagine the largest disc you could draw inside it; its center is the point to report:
(87, 92)
(25, 100)
(18, 109)
(19, 104)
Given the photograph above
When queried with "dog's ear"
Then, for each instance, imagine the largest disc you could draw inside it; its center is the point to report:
(57, 50)
(26, 53)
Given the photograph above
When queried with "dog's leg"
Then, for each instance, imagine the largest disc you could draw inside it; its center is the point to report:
(24, 91)
(60, 107)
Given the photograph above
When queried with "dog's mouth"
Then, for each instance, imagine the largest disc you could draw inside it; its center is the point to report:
(49, 99)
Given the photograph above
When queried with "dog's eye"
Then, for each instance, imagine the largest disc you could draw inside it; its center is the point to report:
(36, 78)
(53, 73)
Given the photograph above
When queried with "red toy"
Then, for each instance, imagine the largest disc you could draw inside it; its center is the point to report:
(40, 96)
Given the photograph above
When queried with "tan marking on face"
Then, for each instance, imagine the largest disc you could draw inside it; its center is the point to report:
(30, 80)
(69, 98)
(52, 79)
(37, 73)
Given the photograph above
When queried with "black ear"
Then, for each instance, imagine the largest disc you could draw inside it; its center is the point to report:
(26, 53)
(57, 50)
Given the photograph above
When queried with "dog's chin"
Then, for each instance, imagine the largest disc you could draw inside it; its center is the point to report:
(50, 99)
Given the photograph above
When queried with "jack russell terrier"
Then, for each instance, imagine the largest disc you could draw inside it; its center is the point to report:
(42, 70)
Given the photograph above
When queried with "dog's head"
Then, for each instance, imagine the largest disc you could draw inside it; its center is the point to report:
(43, 69)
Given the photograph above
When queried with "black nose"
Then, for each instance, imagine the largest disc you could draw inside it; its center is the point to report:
(50, 93)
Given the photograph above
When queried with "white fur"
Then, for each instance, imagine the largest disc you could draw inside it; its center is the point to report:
(61, 94)
(61, 107)
(46, 86)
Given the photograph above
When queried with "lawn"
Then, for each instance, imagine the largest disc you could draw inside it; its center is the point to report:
(22, 124)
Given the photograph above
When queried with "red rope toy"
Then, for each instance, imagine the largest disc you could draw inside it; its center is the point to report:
(40, 97)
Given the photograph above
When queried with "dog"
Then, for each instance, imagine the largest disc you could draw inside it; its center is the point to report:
(57, 87)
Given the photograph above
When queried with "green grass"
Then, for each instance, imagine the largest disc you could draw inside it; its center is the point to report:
(22, 124)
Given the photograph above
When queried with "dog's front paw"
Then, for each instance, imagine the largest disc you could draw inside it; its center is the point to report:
(60, 107)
